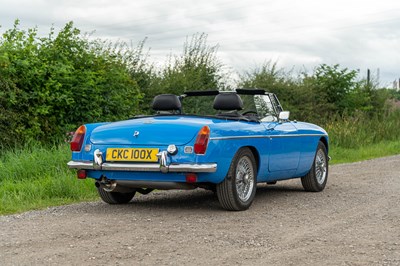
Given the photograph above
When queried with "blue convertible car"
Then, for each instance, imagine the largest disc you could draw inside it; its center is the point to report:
(246, 138)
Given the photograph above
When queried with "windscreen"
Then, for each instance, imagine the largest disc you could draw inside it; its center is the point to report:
(203, 105)
(199, 105)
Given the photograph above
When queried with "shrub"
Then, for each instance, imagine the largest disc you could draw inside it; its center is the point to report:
(329, 92)
(51, 85)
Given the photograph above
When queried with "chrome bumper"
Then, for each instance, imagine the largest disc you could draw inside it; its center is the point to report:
(146, 167)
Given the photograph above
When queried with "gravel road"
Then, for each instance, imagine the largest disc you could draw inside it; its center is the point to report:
(354, 221)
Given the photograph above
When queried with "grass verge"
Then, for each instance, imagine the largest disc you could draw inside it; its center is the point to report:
(35, 177)
(376, 150)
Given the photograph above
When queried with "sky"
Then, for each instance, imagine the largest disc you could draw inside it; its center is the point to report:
(297, 35)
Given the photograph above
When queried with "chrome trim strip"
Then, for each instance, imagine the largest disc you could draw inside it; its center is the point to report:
(269, 136)
(146, 167)
(80, 165)
(196, 168)
(240, 137)
(297, 135)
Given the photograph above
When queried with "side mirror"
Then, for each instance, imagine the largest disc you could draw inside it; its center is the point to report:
(284, 115)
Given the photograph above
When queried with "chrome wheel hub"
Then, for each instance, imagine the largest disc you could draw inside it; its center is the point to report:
(320, 167)
(244, 179)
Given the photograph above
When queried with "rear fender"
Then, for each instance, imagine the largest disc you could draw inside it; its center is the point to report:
(223, 151)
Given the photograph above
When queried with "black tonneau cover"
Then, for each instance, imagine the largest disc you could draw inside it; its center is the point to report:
(216, 92)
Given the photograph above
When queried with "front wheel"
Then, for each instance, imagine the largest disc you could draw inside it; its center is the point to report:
(237, 191)
(115, 197)
(316, 179)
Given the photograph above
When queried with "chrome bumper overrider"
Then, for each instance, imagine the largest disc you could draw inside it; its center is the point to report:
(146, 167)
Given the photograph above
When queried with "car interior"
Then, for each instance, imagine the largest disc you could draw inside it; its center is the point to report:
(227, 105)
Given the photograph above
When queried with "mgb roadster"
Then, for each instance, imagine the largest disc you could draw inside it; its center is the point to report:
(223, 141)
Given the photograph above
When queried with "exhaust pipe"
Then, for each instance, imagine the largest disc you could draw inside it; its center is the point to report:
(112, 186)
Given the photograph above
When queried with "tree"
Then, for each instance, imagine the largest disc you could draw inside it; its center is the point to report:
(197, 68)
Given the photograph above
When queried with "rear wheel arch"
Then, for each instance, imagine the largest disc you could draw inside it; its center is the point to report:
(236, 192)
(255, 154)
(325, 142)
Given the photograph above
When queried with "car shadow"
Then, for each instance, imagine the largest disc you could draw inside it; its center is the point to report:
(200, 199)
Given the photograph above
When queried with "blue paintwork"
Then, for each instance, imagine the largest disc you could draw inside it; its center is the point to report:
(284, 150)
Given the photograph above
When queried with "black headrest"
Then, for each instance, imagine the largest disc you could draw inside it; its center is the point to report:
(228, 101)
(164, 102)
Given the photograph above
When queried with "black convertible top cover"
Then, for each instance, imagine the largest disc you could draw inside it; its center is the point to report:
(201, 93)
(251, 91)
(242, 91)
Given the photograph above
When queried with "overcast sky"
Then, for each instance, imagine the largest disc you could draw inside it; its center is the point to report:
(353, 33)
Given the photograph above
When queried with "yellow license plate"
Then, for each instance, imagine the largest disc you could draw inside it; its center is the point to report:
(132, 154)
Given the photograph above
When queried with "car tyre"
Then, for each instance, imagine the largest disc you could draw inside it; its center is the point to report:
(237, 191)
(115, 197)
(316, 179)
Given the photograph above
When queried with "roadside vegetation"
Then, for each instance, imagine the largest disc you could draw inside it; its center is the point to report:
(51, 85)
(34, 177)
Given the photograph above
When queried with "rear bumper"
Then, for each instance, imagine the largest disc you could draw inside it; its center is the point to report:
(145, 167)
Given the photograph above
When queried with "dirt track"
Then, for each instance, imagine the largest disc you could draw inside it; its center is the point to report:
(355, 221)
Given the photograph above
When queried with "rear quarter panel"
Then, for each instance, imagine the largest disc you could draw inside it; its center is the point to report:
(227, 137)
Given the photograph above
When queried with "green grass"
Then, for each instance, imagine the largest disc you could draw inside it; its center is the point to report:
(363, 131)
(347, 155)
(362, 137)
(35, 177)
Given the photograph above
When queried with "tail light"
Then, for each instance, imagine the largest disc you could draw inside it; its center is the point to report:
(77, 139)
(191, 178)
(200, 146)
(82, 174)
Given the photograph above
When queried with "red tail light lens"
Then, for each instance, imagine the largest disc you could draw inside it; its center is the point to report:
(200, 146)
(77, 139)
(191, 178)
(82, 174)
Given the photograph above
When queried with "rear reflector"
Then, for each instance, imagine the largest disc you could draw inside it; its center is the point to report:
(82, 174)
(200, 146)
(191, 178)
(77, 139)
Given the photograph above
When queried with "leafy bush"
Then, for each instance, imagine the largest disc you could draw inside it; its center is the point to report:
(53, 84)
(329, 92)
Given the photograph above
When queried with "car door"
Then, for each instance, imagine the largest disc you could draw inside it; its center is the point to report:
(284, 142)
(284, 153)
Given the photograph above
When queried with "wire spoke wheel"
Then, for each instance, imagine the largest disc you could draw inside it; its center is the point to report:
(237, 191)
(244, 179)
(317, 177)
(320, 167)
